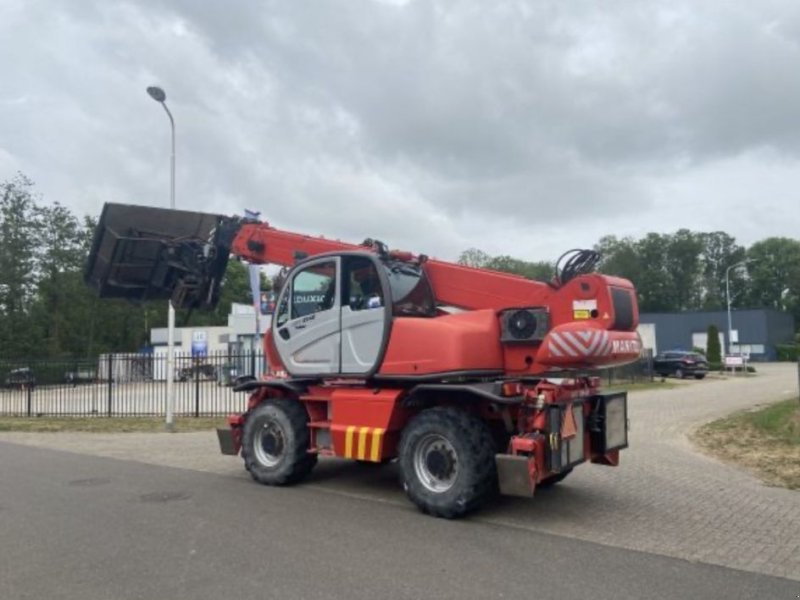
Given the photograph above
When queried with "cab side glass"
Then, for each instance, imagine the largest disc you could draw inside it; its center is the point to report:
(282, 314)
(363, 285)
(411, 293)
(314, 289)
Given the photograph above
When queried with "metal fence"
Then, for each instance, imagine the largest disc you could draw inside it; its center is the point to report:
(115, 385)
(636, 372)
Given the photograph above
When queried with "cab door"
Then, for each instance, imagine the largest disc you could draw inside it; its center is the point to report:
(307, 324)
(365, 316)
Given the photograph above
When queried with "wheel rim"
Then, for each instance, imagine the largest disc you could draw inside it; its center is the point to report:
(270, 444)
(436, 463)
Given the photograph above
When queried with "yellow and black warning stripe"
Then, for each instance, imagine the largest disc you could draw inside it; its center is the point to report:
(363, 443)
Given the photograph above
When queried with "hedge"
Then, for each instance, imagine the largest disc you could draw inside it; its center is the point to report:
(788, 352)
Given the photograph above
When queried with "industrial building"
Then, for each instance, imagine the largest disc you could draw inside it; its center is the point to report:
(754, 332)
(239, 340)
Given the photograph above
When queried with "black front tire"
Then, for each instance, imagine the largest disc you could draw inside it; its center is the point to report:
(447, 462)
(275, 442)
(699, 376)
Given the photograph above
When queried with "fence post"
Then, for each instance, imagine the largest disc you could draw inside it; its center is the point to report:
(110, 381)
(197, 391)
(29, 389)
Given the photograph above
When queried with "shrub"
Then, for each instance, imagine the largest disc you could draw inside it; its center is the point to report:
(698, 350)
(788, 352)
(714, 351)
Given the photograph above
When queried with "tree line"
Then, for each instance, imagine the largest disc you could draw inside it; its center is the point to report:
(47, 311)
(686, 270)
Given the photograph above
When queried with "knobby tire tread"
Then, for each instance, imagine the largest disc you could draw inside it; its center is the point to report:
(298, 462)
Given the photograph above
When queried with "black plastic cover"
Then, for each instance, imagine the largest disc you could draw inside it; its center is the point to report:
(144, 253)
(623, 309)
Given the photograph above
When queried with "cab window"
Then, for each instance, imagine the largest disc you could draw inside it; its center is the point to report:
(314, 289)
(411, 293)
(363, 290)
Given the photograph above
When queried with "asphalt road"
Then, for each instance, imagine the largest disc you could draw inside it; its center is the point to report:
(84, 527)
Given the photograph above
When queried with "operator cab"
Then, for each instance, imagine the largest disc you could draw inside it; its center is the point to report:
(335, 312)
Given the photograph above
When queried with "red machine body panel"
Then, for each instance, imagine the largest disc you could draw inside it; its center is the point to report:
(468, 341)
(584, 329)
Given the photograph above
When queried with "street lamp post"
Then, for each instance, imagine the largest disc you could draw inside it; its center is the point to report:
(157, 94)
(728, 297)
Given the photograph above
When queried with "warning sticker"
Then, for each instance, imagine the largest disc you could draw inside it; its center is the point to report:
(581, 314)
(584, 305)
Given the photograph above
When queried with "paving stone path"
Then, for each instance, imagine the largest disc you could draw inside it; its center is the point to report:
(665, 498)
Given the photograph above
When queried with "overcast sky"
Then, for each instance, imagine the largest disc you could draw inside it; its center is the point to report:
(522, 128)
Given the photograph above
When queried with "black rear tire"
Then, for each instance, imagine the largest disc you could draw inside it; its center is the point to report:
(275, 442)
(447, 462)
(699, 376)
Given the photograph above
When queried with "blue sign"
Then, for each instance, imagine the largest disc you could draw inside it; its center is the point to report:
(199, 343)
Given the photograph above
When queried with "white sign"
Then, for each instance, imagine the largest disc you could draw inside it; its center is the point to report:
(734, 361)
(584, 305)
(734, 336)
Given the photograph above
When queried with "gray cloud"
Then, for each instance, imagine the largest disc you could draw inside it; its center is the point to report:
(523, 128)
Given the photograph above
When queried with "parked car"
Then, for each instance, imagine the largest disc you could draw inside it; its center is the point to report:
(80, 376)
(681, 364)
(19, 378)
(202, 371)
(227, 374)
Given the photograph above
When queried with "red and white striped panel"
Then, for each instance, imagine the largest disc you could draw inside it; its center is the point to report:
(578, 344)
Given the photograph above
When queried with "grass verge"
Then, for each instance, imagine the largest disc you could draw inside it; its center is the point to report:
(766, 441)
(107, 425)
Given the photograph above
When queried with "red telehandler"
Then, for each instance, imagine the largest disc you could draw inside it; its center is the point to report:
(474, 380)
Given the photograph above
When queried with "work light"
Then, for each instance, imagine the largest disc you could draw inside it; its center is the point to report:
(609, 423)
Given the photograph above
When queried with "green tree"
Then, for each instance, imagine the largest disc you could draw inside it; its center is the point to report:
(619, 257)
(539, 270)
(60, 309)
(684, 249)
(654, 284)
(473, 257)
(774, 273)
(19, 240)
(720, 251)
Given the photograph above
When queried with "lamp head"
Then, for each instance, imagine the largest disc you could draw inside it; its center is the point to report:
(156, 93)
